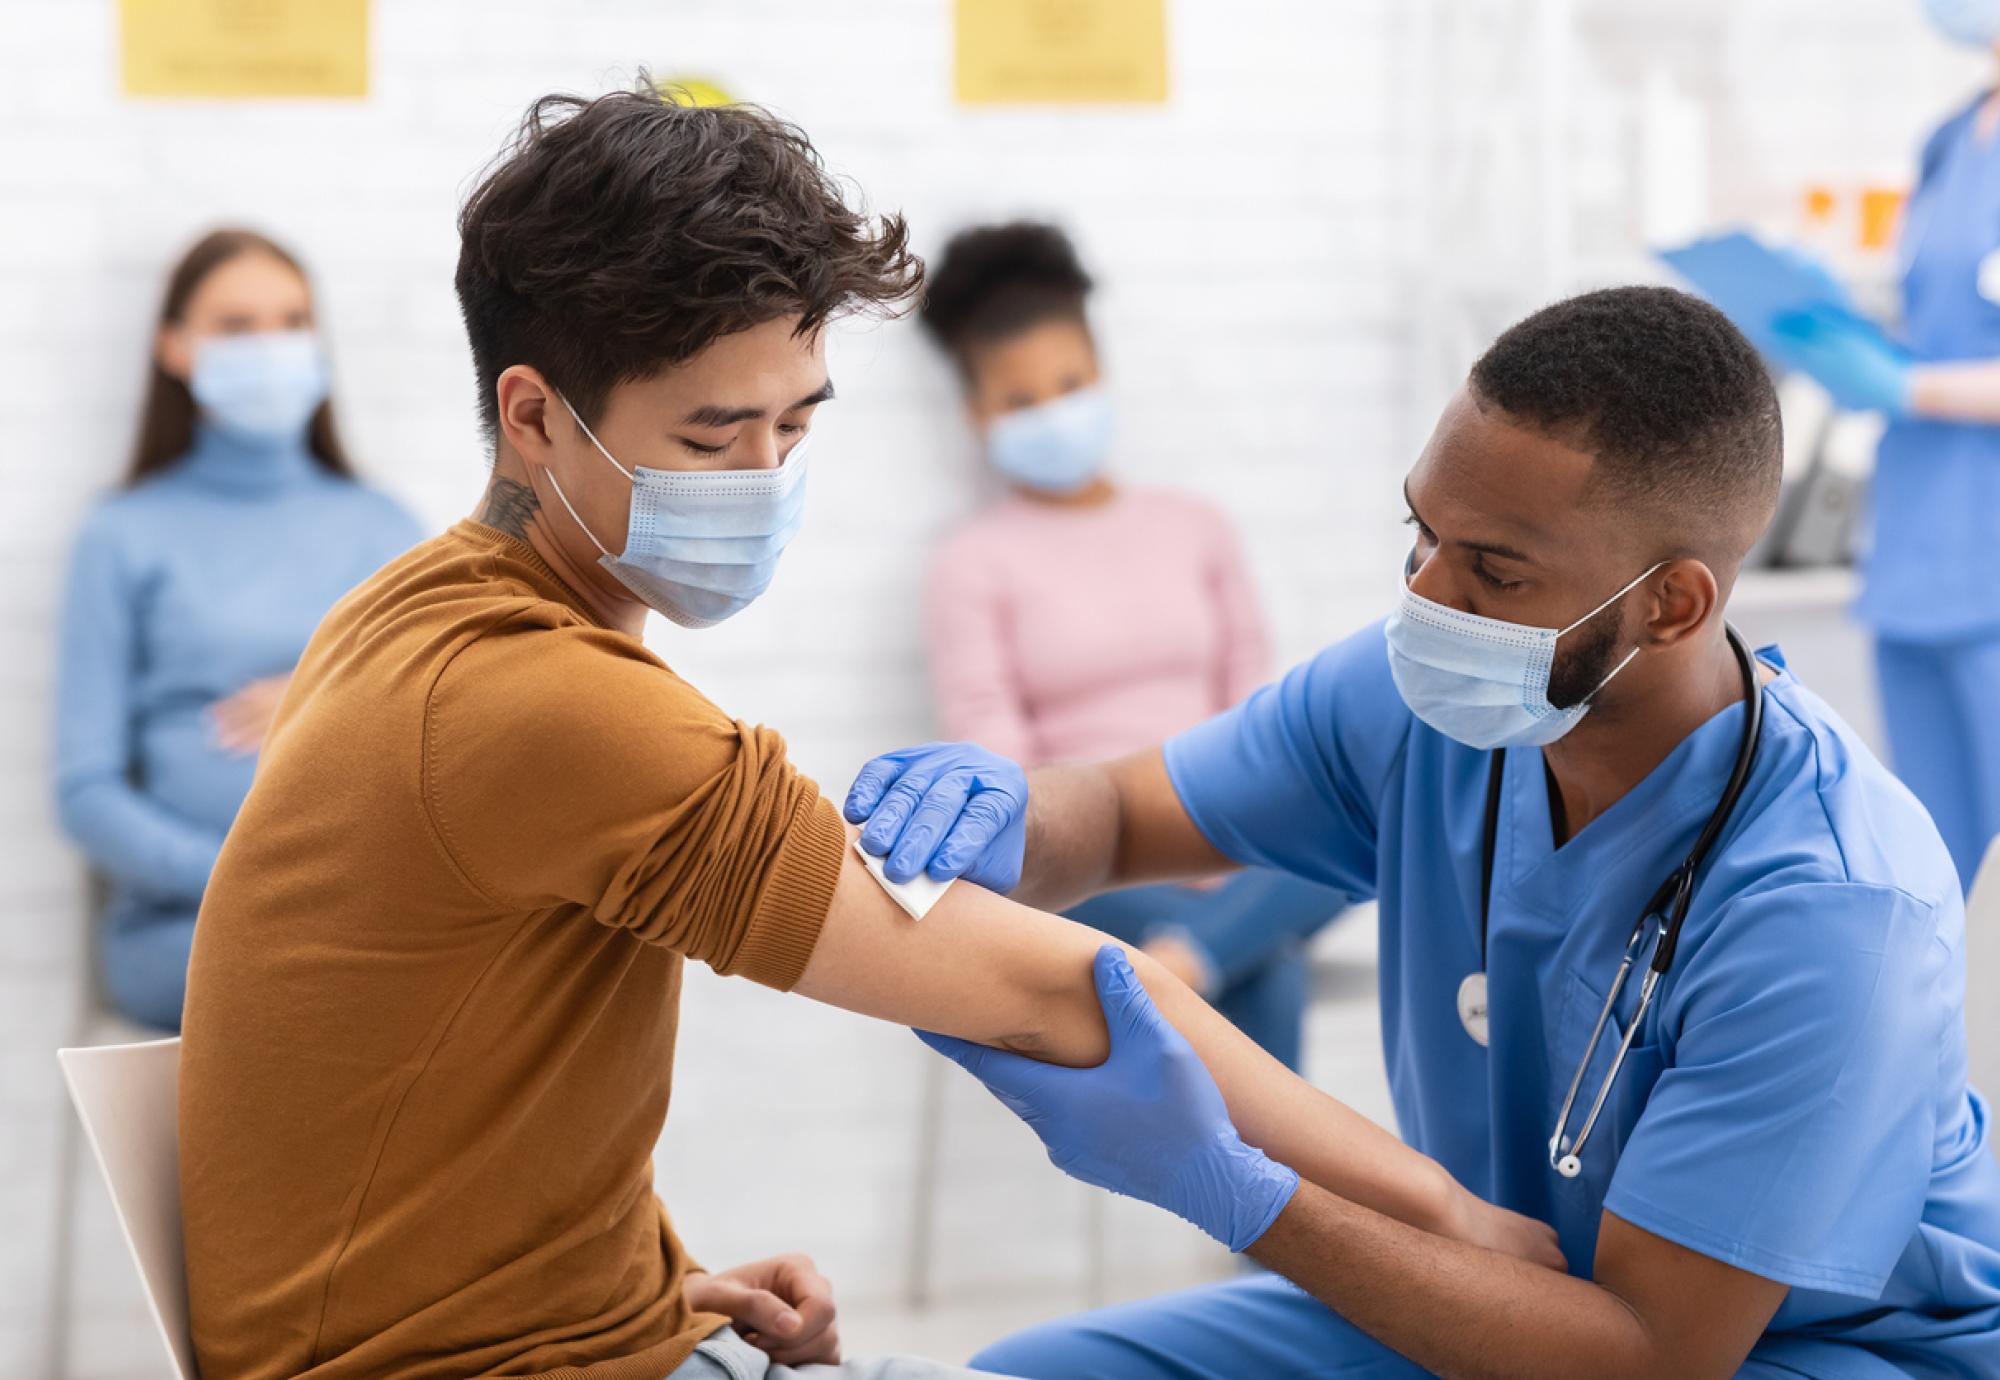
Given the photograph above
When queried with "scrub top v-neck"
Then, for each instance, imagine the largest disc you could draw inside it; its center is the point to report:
(1795, 1104)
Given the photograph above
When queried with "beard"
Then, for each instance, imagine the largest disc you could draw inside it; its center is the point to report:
(1581, 666)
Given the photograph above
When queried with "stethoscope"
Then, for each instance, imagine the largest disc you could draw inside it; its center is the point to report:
(1669, 907)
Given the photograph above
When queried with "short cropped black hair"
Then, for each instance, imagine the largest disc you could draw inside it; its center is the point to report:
(1674, 404)
(995, 281)
(619, 236)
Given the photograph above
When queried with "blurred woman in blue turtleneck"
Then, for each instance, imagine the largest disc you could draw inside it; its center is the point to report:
(193, 592)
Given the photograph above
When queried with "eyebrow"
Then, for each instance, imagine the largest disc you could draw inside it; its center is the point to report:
(716, 415)
(1486, 548)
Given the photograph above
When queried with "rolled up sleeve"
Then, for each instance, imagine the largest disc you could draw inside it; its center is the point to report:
(570, 767)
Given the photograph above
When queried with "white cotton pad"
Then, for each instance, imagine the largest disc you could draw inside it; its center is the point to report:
(915, 896)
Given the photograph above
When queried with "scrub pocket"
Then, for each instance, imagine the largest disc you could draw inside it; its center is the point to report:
(1582, 1001)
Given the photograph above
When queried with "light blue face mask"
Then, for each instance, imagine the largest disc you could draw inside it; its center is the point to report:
(701, 545)
(1055, 447)
(264, 386)
(1484, 681)
(1975, 23)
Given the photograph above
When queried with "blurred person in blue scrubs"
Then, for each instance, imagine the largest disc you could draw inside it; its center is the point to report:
(1785, 1172)
(1931, 594)
(192, 592)
(1080, 617)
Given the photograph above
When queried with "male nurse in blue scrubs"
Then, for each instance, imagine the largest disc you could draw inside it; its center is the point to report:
(1789, 1176)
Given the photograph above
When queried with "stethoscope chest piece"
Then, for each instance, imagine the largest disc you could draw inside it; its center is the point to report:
(1472, 1007)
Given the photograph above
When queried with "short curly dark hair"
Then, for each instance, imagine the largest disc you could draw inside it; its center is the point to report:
(618, 236)
(994, 281)
(1671, 400)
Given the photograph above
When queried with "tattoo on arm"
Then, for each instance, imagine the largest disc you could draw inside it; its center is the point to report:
(509, 505)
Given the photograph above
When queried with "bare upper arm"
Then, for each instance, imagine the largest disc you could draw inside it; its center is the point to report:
(1701, 1315)
(978, 966)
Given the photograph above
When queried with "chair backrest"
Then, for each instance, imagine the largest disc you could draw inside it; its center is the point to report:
(127, 1097)
(1982, 975)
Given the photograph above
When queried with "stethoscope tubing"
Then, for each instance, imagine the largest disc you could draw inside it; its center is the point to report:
(1669, 905)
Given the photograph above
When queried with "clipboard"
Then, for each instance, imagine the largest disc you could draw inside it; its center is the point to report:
(1757, 286)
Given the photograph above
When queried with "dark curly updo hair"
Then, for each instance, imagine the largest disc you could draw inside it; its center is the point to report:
(995, 281)
(619, 236)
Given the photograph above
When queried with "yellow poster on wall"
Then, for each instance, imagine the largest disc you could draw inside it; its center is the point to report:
(244, 49)
(1058, 52)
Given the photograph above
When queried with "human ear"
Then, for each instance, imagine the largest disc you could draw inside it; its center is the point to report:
(525, 399)
(1684, 597)
(173, 350)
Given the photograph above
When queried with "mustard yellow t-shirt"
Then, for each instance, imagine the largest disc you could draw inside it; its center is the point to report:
(432, 1006)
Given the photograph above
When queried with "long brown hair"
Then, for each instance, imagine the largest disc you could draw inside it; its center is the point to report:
(166, 421)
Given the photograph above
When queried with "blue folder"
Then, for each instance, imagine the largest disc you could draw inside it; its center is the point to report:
(1757, 286)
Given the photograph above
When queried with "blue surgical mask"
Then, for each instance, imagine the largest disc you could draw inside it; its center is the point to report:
(701, 545)
(1054, 447)
(1972, 22)
(1484, 681)
(264, 386)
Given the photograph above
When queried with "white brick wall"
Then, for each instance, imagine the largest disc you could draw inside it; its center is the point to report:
(1254, 240)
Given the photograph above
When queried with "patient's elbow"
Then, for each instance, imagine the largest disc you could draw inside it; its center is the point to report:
(1052, 1046)
(1067, 1025)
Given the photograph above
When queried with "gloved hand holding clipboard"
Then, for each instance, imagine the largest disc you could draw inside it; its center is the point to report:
(1795, 311)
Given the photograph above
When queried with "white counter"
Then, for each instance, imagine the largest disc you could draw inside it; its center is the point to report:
(1806, 613)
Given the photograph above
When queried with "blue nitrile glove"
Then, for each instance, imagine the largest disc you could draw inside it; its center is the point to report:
(945, 809)
(1148, 1122)
(1861, 371)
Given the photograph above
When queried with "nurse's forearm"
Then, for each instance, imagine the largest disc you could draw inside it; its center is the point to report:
(1465, 1313)
(1957, 392)
(1099, 825)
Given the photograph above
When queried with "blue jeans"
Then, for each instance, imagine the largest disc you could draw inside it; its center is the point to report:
(1941, 706)
(144, 953)
(1251, 930)
(725, 1356)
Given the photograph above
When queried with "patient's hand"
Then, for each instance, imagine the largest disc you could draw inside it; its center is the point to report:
(1479, 1223)
(783, 1306)
(242, 721)
(1184, 961)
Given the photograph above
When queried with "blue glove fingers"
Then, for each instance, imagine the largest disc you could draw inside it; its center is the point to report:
(1795, 325)
(1009, 1077)
(871, 783)
(964, 1053)
(885, 826)
(1129, 1012)
(930, 821)
(982, 820)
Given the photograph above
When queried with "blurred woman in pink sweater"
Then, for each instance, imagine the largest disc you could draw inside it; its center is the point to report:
(1078, 618)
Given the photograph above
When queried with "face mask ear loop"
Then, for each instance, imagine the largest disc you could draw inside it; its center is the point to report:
(1609, 675)
(556, 484)
(1607, 603)
(634, 478)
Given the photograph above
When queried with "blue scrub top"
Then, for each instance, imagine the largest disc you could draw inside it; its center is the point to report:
(1795, 1103)
(1936, 494)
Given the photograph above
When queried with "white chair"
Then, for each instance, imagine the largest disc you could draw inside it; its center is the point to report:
(127, 1097)
(97, 1022)
(1982, 975)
